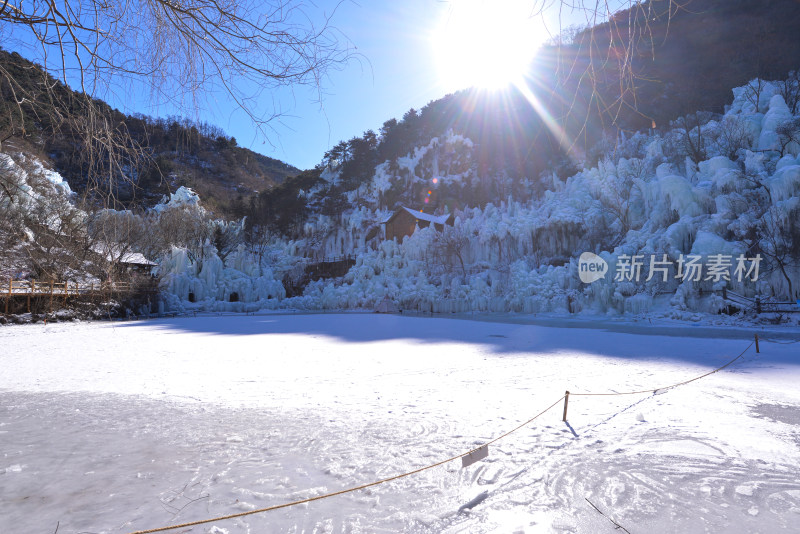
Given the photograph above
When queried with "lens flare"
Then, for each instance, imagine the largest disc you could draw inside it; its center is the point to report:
(486, 44)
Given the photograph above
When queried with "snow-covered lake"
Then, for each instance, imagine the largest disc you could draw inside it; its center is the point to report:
(128, 426)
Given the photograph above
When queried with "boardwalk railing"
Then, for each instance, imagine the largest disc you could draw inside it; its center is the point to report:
(15, 289)
(758, 304)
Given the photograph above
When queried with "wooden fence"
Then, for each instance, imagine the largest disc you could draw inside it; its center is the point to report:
(758, 304)
(32, 289)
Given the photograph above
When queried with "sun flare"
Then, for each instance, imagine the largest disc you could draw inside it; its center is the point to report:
(486, 44)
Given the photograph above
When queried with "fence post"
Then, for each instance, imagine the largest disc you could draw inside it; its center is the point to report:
(31, 289)
(757, 351)
(566, 402)
(8, 298)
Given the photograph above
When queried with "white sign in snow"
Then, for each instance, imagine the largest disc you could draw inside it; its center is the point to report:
(474, 456)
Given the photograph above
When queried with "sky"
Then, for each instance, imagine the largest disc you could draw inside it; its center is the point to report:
(394, 70)
(399, 66)
(405, 54)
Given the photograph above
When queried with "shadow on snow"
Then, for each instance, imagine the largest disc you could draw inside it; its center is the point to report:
(499, 335)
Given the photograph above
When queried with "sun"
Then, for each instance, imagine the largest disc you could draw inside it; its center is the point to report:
(486, 44)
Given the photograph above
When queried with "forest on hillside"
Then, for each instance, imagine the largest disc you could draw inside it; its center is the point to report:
(155, 156)
(673, 65)
(720, 180)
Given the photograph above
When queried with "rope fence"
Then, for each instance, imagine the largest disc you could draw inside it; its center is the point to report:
(664, 388)
(780, 342)
(565, 398)
(349, 490)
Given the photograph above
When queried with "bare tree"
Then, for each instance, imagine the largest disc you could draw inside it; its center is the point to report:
(731, 136)
(60, 243)
(179, 50)
(788, 134)
(9, 180)
(753, 92)
(780, 243)
(602, 57)
(692, 136)
(259, 237)
(184, 226)
(789, 89)
(114, 236)
(614, 197)
(450, 245)
(226, 237)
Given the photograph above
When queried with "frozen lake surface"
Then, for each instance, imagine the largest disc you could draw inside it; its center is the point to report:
(114, 428)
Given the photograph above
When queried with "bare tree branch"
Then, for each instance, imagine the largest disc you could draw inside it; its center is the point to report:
(180, 51)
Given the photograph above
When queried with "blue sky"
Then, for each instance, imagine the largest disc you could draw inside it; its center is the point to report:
(397, 70)
(398, 64)
(394, 71)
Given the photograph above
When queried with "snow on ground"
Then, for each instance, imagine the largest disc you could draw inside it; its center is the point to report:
(127, 426)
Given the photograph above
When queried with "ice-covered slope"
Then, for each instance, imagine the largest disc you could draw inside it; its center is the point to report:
(718, 193)
(646, 200)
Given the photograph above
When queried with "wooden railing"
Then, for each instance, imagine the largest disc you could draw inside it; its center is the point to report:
(760, 305)
(47, 288)
(13, 289)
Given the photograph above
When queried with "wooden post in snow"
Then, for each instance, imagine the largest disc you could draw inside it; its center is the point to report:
(566, 402)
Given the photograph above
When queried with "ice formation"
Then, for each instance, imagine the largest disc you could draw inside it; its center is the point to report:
(654, 205)
(521, 256)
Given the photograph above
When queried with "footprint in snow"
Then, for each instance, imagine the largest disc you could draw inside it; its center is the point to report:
(474, 502)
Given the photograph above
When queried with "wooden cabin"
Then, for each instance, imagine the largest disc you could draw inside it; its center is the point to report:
(404, 221)
(123, 260)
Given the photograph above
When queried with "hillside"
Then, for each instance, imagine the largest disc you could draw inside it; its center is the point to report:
(683, 64)
(672, 234)
(684, 56)
(678, 216)
(170, 152)
(683, 59)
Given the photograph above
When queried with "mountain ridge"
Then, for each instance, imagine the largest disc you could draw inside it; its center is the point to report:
(177, 151)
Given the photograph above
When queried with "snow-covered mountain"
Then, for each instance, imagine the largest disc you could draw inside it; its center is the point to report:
(670, 217)
(645, 206)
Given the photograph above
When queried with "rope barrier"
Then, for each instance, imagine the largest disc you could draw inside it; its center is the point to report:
(673, 385)
(437, 464)
(779, 342)
(349, 490)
